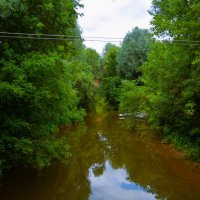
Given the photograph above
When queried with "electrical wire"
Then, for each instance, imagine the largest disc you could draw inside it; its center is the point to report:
(62, 39)
(57, 35)
(194, 41)
(186, 44)
(37, 38)
(15, 35)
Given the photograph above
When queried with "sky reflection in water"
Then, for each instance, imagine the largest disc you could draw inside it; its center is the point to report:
(109, 163)
(114, 185)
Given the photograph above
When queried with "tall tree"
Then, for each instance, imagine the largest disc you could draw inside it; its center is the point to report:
(133, 53)
(36, 86)
(92, 58)
(109, 60)
(172, 73)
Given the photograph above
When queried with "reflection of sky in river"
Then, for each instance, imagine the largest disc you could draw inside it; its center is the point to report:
(113, 185)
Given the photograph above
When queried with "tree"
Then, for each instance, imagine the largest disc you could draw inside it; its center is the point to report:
(92, 58)
(83, 83)
(133, 53)
(171, 74)
(43, 17)
(175, 18)
(36, 98)
(109, 60)
(109, 87)
(132, 97)
(37, 92)
(110, 80)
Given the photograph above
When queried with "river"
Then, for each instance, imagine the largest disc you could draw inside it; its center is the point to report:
(109, 162)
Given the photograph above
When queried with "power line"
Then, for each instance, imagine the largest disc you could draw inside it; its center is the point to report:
(67, 36)
(58, 35)
(32, 34)
(192, 41)
(183, 42)
(37, 38)
(186, 44)
(15, 35)
(62, 39)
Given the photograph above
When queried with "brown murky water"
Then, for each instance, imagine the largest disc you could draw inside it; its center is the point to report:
(109, 163)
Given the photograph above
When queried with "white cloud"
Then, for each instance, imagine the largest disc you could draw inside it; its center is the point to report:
(113, 18)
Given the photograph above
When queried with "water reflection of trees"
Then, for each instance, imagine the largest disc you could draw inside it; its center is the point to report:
(148, 163)
(101, 139)
(60, 182)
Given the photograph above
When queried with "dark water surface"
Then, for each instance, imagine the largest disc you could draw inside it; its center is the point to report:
(109, 163)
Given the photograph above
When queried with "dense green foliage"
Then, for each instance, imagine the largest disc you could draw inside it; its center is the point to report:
(49, 16)
(173, 82)
(132, 98)
(109, 60)
(121, 63)
(110, 90)
(110, 80)
(174, 97)
(43, 83)
(176, 18)
(133, 53)
(170, 96)
(92, 58)
(36, 96)
(83, 83)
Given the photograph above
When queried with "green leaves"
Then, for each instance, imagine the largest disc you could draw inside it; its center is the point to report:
(24, 146)
(172, 73)
(133, 53)
(83, 81)
(48, 6)
(48, 150)
(36, 97)
(110, 88)
(7, 7)
(176, 18)
(132, 97)
(167, 72)
(43, 17)
(38, 92)
(109, 60)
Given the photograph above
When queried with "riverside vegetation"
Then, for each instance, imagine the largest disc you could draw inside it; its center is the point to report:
(46, 84)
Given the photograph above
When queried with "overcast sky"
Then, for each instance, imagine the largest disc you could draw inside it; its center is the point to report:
(112, 18)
